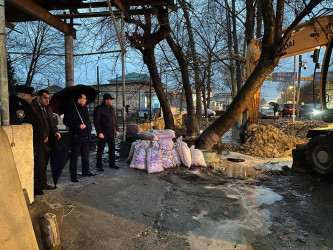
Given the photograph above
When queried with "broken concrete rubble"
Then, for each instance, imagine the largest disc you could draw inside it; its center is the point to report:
(274, 140)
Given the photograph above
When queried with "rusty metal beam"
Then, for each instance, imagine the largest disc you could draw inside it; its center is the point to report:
(40, 13)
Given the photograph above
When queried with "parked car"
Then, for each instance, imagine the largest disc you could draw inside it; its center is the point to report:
(286, 109)
(145, 112)
(209, 112)
(267, 111)
(310, 111)
(183, 112)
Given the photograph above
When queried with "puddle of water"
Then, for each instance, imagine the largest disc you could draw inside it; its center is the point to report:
(237, 233)
(266, 196)
(234, 170)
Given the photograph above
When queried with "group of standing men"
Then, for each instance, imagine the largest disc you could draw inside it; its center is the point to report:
(76, 118)
(25, 108)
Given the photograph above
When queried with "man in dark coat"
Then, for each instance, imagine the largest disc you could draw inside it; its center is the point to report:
(77, 119)
(106, 126)
(20, 112)
(44, 113)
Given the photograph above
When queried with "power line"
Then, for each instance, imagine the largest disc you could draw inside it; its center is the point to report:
(49, 54)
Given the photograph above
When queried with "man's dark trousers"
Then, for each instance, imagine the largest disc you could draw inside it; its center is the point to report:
(100, 149)
(75, 151)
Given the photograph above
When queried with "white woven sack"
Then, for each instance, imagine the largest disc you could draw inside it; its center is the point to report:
(197, 157)
(139, 156)
(164, 134)
(131, 153)
(184, 152)
(144, 135)
(154, 160)
(166, 144)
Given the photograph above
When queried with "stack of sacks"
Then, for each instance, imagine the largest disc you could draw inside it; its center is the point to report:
(183, 152)
(157, 151)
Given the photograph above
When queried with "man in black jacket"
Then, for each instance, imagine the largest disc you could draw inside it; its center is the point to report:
(45, 115)
(106, 126)
(77, 119)
(20, 112)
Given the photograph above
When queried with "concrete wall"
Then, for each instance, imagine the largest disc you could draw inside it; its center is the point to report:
(16, 231)
(20, 138)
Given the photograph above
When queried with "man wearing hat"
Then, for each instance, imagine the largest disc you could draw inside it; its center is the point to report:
(106, 125)
(21, 112)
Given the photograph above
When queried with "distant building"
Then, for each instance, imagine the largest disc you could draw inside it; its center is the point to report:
(53, 89)
(220, 101)
(137, 92)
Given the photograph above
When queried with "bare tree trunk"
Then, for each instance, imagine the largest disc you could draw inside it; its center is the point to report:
(198, 87)
(239, 79)
(149, 60)
(271, 53)
(231, 63)
(253, 108)
(146, 44)
(209, 78)
(193, 126)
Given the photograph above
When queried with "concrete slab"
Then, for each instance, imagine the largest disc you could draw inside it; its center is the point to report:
(16, 230)
(20, 138)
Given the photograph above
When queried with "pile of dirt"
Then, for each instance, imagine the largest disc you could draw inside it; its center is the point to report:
(274, 140)
(298, 128)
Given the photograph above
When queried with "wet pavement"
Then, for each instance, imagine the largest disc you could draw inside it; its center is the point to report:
(255, 204)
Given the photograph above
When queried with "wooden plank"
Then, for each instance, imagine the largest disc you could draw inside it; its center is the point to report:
(40, 13)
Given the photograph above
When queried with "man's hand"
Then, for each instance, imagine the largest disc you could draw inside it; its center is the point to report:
(82, 126)
(100, 136)
(58, 135)
(46, 140)
(117, 133)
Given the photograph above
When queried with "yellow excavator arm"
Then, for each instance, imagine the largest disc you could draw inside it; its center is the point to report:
(306, 37)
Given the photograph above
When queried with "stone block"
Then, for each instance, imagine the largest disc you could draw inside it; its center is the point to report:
(20, 138)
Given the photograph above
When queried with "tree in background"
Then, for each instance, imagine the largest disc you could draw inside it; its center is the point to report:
(12, 81)
(274, 39)
(30, 51)
(307, 92)
(145, 36)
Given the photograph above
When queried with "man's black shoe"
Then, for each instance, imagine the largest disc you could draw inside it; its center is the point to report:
(38, 191)
(100, 169)
(48, 187)
(115, 166)
(88, 174)
(74, 179)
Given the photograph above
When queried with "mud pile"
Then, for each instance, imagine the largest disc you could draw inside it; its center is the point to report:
(274, 140)
(298, 128)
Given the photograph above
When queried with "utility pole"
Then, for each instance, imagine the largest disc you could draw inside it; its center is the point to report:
(150, 99)
(299, 82)
(69, 58)
(4, 109)
(123, 73)
(294, 88)
(116, 92)
(98, 83)
(48, 85)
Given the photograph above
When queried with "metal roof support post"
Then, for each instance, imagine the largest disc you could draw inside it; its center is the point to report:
(122, 45)
(69, 58)
(4, 101)
(123, 73)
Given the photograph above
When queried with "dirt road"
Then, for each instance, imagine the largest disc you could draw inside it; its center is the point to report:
(197, 209)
